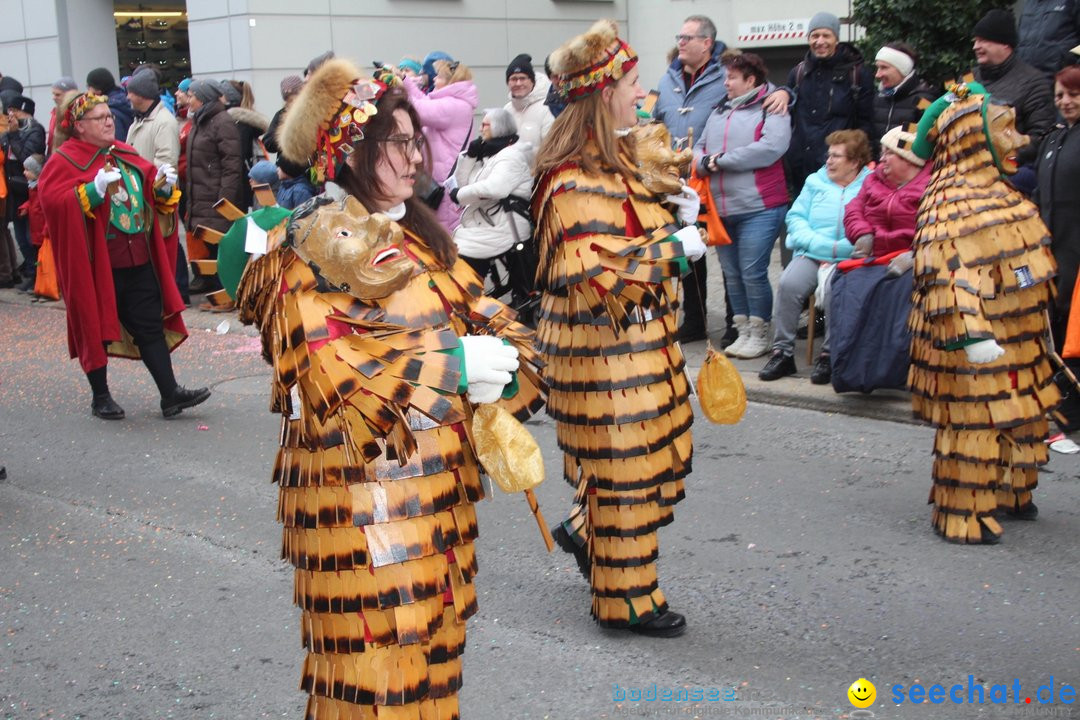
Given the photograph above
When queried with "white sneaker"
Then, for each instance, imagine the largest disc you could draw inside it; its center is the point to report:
(757, 340)
(742, 325)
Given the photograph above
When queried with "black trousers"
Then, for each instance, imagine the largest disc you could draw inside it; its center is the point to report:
(138, 303)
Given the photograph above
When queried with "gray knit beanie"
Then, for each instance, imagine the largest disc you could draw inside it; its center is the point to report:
(207, 91)
(824, 21)
(144, 84)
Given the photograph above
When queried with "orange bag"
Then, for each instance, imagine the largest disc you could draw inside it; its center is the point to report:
(707, 214)
(1072, 329)
(45, 283)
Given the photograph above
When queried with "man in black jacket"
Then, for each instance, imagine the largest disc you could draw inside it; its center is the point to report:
(25, 137)
(834, 90)
(1011, 80)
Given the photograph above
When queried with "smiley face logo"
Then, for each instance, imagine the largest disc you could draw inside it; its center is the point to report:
(862, 693)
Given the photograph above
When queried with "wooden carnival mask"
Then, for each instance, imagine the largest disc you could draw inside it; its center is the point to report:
(1003, 136)
(360, 253)
(661, 167)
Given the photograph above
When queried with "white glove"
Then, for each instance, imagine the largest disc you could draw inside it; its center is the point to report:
(450, 183)
(168, 172)
(103, 178)
(488, 364)
(688, 203)
(983, 352)
(693, 246)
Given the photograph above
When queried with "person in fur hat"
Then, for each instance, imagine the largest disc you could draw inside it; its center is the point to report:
(610, 251)
(367, 305)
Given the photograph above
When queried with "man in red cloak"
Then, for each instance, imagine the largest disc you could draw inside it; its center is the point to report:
(115, 269)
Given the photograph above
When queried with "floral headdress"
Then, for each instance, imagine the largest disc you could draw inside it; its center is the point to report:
(329, 115)
(591, 62)
(79, 106)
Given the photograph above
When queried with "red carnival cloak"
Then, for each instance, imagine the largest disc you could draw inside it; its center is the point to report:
(82, 257)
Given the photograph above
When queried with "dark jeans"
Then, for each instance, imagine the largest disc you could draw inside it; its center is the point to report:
(27, 248)
(7, 254)
(182, 272)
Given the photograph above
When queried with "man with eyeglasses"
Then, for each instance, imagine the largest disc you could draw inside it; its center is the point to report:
(692, 86)
(116, 273)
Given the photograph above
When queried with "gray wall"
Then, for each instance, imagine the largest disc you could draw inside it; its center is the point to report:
(41, 40)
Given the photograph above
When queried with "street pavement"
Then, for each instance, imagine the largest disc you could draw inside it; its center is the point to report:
(140, 577)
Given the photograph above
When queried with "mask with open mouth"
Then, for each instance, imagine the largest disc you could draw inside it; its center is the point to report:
(1004, 138)
(360, 253)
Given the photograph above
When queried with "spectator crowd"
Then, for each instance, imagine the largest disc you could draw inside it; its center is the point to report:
(818, 162)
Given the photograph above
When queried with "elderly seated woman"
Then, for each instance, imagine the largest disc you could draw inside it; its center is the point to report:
(871, 296)
(816, 236)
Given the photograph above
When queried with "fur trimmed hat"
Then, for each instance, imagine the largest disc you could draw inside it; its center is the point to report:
(591, 61)
(328, 116)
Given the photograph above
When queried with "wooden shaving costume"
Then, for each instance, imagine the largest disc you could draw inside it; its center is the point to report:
(982, 270)
(607, 331)
(376, 469)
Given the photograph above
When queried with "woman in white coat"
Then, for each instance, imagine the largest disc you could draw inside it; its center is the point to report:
(494, 177)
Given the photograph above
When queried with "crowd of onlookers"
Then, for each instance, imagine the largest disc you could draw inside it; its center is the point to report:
(822, 163)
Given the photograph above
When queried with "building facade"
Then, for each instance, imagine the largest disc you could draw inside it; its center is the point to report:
(263, 40)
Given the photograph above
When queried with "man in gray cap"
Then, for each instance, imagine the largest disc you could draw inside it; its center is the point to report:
(155, 135)
(835, 91)
(215, 170)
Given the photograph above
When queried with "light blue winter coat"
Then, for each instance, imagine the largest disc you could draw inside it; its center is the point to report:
(815, 222)
(680, 108)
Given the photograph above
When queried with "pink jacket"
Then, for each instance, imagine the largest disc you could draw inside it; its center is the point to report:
(886, 212)
(447, 116)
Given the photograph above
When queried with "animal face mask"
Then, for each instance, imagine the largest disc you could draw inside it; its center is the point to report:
(359, 252)
(1004, 138)
(661, 167)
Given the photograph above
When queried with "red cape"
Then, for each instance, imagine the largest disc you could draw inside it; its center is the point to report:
(82, 257)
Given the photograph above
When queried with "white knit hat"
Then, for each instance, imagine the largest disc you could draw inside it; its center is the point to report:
(899, 141)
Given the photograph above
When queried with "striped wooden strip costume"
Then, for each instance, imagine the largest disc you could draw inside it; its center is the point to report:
(982, 271)
(377, 476)
(618, 390)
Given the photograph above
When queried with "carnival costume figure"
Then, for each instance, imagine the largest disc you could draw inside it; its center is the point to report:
(380, 341)
(980, 368)
(111, 217)
(610, 251)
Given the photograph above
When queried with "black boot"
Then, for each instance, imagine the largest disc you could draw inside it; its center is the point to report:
(779, 365)
(580, 553)
(822, 372)
(104, 407)
(668, 624)
(181, 398)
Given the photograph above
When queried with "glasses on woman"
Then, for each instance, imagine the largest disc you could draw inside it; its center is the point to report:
(405, 144)
(98, 118)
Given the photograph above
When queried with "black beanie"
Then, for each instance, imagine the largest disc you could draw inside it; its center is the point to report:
(997, 26)
(101, 80)
(521, 64)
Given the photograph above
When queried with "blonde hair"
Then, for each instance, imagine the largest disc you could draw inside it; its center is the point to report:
(452, 72)
(582, 123)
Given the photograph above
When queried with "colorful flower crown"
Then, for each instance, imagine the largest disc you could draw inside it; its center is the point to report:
(79, 106)
(591, 62)
(345, 127)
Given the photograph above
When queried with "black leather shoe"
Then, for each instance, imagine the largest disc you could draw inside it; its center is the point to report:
(104, 407)
(669, 624)
(730, 336)
(199, 285)
(182, 398)
(1028, 512)
(580, 553)
(822, 372)
(26, 286)
(779, 365)
(691, 334)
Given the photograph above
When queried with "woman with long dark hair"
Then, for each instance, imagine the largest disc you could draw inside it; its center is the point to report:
(381, 344)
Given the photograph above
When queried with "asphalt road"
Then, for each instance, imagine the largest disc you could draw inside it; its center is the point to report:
(139, 570)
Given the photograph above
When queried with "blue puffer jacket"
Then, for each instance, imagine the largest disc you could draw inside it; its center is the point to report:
(815, 222)
(681, 109)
